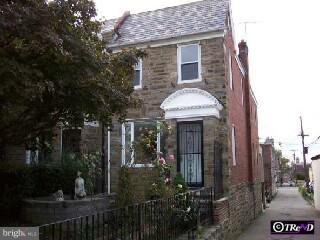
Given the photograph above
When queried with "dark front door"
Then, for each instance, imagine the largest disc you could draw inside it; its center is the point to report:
(190, 156)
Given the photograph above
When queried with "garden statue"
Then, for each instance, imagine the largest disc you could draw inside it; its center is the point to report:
(58, 196)
(79, 191)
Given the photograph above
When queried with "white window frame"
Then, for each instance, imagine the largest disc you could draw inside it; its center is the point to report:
(179, 63)
(28, 156)
(123, 144)
(138, 69)
(234, 145)
(230, 72)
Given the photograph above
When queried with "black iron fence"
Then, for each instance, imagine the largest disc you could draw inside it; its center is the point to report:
(157, 219)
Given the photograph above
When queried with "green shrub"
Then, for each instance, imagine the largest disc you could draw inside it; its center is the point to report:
(300, 176)
(125, 188)
(20, 182)
(179, 183)
(305, 194)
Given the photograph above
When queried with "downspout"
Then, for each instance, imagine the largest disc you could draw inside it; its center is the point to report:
(103, 160)
(61, 144)
(109, 158)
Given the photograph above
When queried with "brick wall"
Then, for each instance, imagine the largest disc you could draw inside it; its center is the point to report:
(237, 116)
(266, 155)
(245, 192)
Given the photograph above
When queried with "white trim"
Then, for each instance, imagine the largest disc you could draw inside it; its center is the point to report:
(253, 96)
(28, 158)
(179, 63)
(170, 41)
(189, 119)
(158, 137)
(141, 165)
(178, 106)
(240, 65)
(139, 69)
(132, 137)
(91, 123)
(123, 144)
(230, 72)
(131, 141)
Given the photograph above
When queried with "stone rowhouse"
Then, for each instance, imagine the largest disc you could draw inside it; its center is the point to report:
(198, 79)
(195, 76)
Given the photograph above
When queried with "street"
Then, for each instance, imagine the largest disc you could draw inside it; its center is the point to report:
(287, 205)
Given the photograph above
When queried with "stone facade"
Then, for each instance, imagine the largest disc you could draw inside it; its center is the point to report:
(242, 193)
(159, 80)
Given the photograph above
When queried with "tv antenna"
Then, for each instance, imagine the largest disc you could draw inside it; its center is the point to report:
(245, 23)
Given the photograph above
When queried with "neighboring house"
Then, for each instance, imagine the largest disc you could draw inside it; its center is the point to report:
(262, 178)
(271, 166)
(66, 140)
(316, 180)
(193, 75)
(299, 170)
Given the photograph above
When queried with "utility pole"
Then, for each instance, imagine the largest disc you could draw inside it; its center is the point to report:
(293, 167)
(302, 135)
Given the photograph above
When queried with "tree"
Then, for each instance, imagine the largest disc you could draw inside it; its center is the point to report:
(283, 163)
(55, 68)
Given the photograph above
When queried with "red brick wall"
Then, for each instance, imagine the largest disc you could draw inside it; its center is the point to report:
(243, 115)
(256, 162)
(267, 156)
(237, 115)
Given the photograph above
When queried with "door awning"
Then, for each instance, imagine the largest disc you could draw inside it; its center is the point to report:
(190, 103)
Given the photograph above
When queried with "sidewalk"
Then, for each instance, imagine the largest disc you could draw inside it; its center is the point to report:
(288, 205)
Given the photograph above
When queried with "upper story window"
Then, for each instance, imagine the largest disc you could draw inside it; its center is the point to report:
(189, 63)
(137, 82)
(230, 72)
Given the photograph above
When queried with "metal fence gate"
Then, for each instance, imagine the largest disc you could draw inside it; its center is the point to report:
(190, 152)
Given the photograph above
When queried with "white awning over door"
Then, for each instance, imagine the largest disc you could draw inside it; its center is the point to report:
(190, 103)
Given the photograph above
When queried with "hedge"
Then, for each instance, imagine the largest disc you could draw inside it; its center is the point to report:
(20, 182)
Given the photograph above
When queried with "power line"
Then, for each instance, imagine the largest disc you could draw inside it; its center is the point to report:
(314, 142)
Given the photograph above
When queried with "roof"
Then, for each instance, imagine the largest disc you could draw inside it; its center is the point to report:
(317, 157)
(192, 18)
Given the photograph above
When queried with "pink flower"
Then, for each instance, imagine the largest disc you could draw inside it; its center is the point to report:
(162, 161)
(167, 180)
(171, 157)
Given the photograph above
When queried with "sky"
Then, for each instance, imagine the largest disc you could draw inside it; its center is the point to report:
(284, 48)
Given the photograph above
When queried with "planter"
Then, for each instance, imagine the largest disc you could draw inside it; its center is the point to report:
(44, 210)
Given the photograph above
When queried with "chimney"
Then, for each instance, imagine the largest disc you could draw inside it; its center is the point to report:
(269, 141)
(119, 23)
(243, 55)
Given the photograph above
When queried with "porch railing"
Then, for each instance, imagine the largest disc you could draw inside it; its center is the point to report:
(157, 219)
